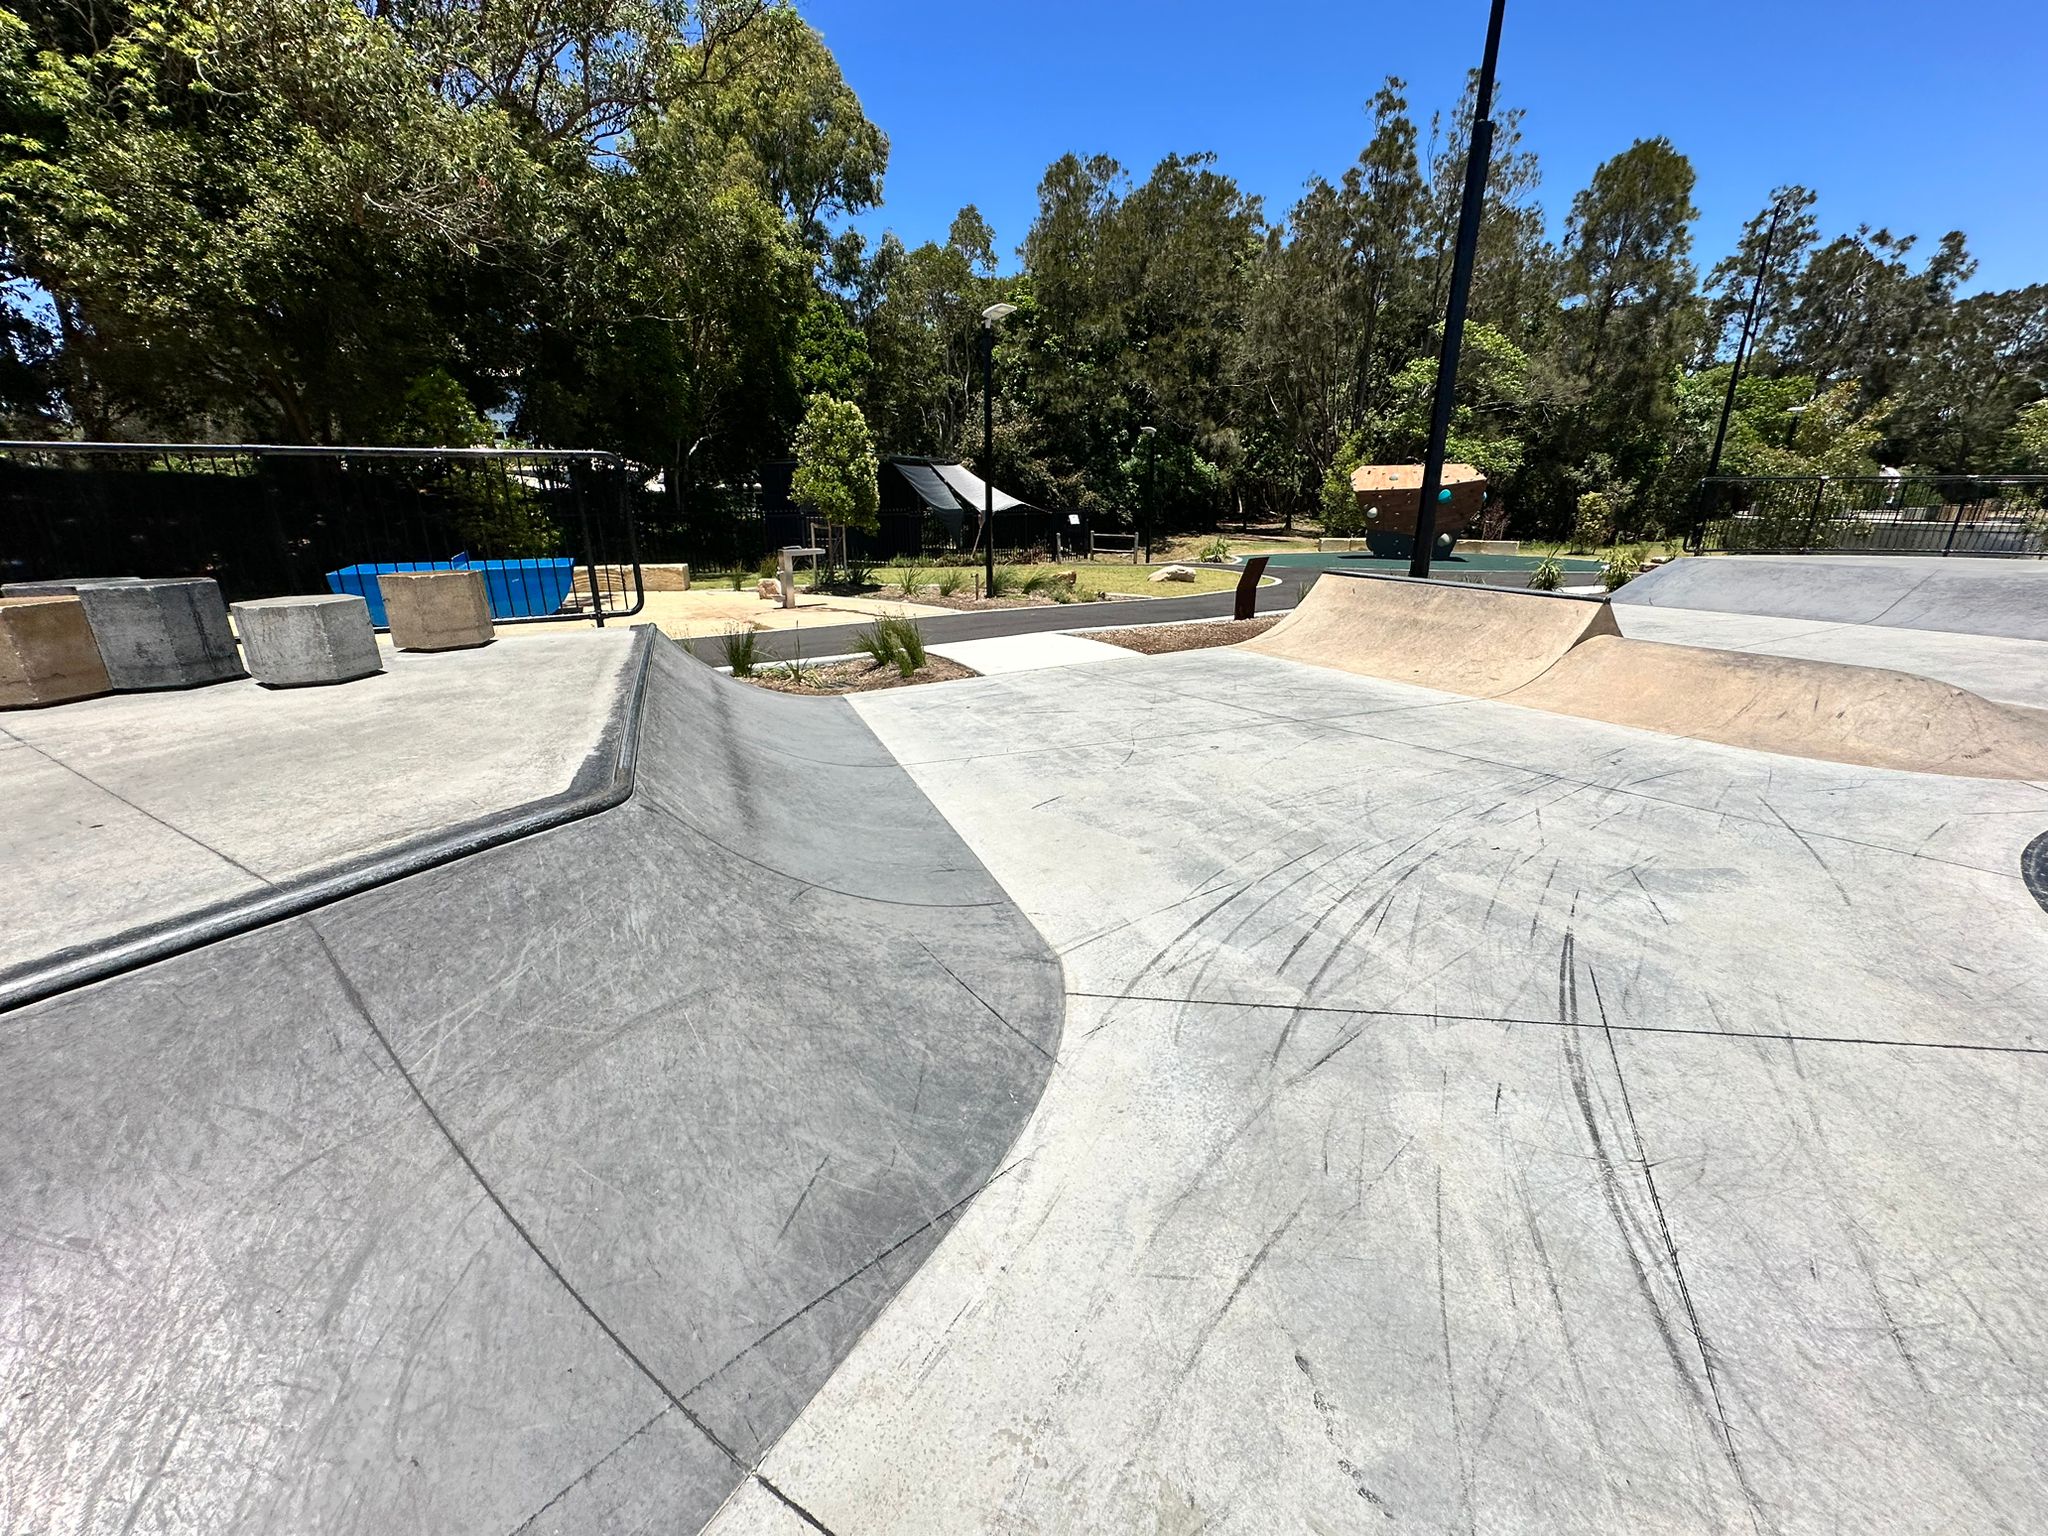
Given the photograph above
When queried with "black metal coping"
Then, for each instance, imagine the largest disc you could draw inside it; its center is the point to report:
(604, 780)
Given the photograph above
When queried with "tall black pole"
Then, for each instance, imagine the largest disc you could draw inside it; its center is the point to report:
(988, 454)
(1756, 294)
(1461, 292)
(1151, 483)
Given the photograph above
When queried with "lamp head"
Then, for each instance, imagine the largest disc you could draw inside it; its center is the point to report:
(997, 312)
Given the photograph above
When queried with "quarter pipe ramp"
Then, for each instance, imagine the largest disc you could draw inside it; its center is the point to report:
(1462, 639)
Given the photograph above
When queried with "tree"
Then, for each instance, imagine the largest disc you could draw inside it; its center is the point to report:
(1730, 283)
(1860, 311)
(836, 469)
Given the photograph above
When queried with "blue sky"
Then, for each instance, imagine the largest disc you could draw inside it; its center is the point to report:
(1918, 116)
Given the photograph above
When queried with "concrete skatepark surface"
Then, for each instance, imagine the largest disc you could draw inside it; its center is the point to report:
(1960, 595)
(1214, 1091)
(132, 813)
(1472, 1118)
(536, 1191)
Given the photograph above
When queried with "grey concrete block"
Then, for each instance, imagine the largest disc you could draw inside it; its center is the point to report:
(47, 655)
(161, 634)
(436, 610)
(66, 587)
(294, 642)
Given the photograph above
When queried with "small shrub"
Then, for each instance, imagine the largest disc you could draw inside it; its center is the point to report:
(1046, 582)
(742, 649)
(739, 578)
(860, 573)
(950, 581)
(1217, 549)
(1593, 525)
(878, 643)
(910, 579)
(1548, 575)
(907, 641)
(769, 568)
(1623, 568)
(1004, 583)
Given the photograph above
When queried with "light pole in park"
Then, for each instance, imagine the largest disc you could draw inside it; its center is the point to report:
(991, 317)
(1151, 436)
(1461, 292)
(1744, 341)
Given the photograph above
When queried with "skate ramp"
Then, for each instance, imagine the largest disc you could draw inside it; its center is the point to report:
(1462, 639)
(536, 1191)
(1567, 656)
(1962, 596)
(1818, 709)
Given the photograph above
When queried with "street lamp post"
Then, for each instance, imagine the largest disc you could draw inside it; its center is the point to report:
(1151, 436)
(1461, 292)
(990, 318)
(1742, 342)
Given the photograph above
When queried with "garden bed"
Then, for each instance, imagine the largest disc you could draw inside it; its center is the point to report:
(861, 676)
(1158, 639)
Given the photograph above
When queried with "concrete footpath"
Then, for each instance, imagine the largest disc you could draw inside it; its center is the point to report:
(838, 639)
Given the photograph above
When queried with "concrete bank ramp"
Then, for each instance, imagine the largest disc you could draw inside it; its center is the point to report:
(535, 1192)
(1960, 595)
(1818, 709)
(1481, 641)
(1565, 655)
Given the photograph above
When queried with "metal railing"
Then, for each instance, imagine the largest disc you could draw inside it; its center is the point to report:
(2003, 515)
(550, 531)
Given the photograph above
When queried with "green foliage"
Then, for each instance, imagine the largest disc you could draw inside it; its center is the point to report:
(1623, 566)
(893, 641)
(1003, 582)
(950, 581)
(836, 467)
(1216, 550)
(1593, 522)
(2027, 443)
(1548, 575)
(742, 648)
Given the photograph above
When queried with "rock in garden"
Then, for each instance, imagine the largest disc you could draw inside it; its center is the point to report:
(1173, 573)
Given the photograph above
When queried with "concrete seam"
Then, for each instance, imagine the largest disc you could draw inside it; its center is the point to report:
(626, 1351)
(114, 794)
(603, 782)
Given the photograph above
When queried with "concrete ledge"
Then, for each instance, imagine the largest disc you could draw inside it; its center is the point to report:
(299, 642)
(604, 781)
(161, 634)
(47, 654)
(65, 587)
(436, 610)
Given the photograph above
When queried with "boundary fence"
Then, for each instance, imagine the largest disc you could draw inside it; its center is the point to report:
(1997, 515)
(551, 531)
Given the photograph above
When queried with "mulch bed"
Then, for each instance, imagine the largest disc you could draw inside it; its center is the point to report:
(1158, 639)
(967, 604)
(855, 676)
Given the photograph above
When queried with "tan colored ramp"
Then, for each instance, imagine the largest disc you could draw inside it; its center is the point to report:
(1867, 715)
(1482, 641)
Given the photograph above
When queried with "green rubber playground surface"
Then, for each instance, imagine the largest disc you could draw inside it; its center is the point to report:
(1454, 562)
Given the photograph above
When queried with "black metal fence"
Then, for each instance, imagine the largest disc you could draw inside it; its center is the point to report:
(551, 532)
(1873, 515)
